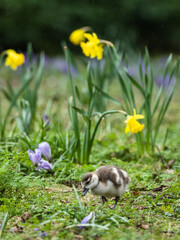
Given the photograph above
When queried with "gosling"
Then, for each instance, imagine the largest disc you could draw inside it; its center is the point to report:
(106, 181)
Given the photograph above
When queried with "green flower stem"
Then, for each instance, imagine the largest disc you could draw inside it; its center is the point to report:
(74, 113)
(86, 145)
(98, 123)
(148, 124)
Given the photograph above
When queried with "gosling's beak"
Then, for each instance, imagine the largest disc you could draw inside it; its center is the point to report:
(85, 190)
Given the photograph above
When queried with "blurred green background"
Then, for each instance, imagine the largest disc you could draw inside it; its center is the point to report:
(46, 23)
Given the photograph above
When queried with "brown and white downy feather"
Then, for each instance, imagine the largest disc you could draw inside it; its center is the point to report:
(107, 181)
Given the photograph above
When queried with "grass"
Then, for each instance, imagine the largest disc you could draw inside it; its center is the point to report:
(47, 201)
(149, 207)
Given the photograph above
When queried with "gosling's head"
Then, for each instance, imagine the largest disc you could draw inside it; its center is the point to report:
(89, 181)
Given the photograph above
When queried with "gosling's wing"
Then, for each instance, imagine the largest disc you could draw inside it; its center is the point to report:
(124, 175)
(104, 173)
(114, 174)
(109, 173)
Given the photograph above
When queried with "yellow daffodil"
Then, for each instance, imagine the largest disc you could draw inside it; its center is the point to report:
(77, 36)
(92, 48)
(14, 59)
(133, 125)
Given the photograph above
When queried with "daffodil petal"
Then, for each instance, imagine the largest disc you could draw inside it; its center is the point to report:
(92, 48)
(127, 129)
(138, 116)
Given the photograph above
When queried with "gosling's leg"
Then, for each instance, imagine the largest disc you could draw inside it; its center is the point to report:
(116, 201)
(103, 199)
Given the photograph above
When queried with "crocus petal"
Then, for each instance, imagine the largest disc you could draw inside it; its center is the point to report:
(30, 151)
(45, 150)
(43, 164)
(87, 219)
(43, 234)
(46, 119)
(36, 229)
(35, 157)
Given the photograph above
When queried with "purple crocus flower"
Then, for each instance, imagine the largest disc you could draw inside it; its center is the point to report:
(96, 64)
(86, 219)
(162, 61)
(43, 164)
(60, 64)
(46, 119)
(45, 150)
(132, 70)
(165, 82)
(34, 58)
(35, 157)
(36, 229)
(43, 234)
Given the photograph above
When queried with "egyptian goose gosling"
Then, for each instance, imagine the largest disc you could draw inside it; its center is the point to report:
(106, 181)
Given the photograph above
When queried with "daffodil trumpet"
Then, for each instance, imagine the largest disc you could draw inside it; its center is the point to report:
(133, 125)
(77, 36)
(13, 58)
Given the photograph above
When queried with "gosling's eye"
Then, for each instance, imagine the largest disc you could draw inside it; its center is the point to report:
(87, 182)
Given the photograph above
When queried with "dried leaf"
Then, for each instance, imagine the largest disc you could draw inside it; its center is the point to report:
(171, 162)
(78, 237)
(136, 193)
(141, 207)
(144, 226)
(17, 228)
(18, 219)
(25, 216)
(171, 171)
(158, 189)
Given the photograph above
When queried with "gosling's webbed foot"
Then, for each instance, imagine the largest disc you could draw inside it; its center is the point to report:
(103, 199)
(116, 201)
